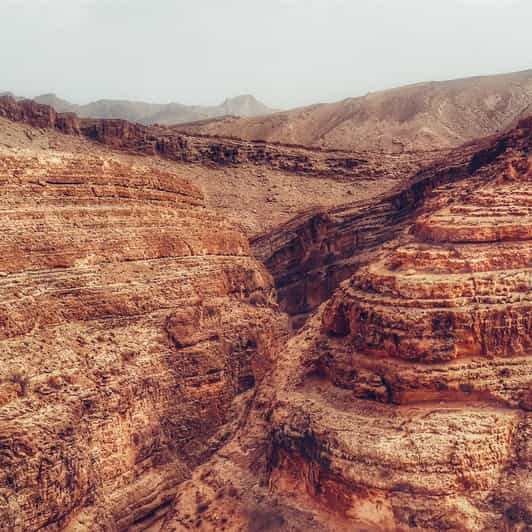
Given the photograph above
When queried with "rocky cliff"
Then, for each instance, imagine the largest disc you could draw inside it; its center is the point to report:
(312, 253)
(404, 402)
(170, 143)
(148, 381)
(134, 327)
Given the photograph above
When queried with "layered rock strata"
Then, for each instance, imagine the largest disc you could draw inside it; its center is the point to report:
(405, 402)
(312, 253)
(137, 335)
(134, 327)
(417, 388)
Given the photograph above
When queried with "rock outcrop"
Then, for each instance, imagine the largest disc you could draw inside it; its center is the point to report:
(312, 253)
(134, 327)
(404, 402)
(148, 381)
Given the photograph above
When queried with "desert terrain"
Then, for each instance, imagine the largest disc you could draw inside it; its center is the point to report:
(423, 116)
(223, 327)
(245, 105)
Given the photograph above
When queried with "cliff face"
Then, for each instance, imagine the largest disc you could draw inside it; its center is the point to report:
(405, 401)
(422, 362)
(147, 380)
(134, 326)
(312, 253)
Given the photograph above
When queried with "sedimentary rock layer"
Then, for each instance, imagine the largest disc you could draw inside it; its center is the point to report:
(311, 254)
(418, 385)
(405, 401)
(170, 143)
(134, 324)
(137, 336)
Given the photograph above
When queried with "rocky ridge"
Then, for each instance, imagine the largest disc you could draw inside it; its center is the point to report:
(442, 114)
(245, 105)
(405, 401)
(134, 327)
(170, 143)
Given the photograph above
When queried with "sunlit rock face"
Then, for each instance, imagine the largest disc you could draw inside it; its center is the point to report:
(404, 403)
(133, 326)
(417, 378)
(148, 381)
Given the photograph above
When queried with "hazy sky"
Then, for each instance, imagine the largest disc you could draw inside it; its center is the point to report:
(285, 52)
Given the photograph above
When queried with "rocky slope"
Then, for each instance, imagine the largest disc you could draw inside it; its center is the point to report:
(256, 184)
(405, 402)
(150, 113)
(170, 143)
(313, 252)
(422, 116)
(134, 326)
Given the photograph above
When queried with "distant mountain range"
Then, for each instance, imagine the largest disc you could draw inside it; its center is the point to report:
(416, 117)
(165, 114)
(424, 116)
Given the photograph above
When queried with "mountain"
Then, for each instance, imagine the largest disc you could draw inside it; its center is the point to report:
(244, 105)
(61, 106)
(422, 116)
(165, 114)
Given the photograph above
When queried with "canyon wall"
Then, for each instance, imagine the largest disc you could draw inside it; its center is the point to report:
(148, 380)
(404, 403)
(312, 253)
(170, 143)
(134, 327)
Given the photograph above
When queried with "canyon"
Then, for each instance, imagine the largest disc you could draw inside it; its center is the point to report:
(204, 332)
(404, 401)
(256, 184)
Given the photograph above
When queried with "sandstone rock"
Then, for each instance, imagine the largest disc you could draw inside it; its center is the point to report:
(148, 382)
(417, 385)
(171, 143)
(312, 253)
(403, 403)
(126, 333)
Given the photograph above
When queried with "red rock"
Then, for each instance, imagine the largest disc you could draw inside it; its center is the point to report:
(404, 402)
(147, 378)
(104, 407)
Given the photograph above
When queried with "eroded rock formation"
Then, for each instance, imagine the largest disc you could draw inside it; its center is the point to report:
(134, 325)
(312, 253)
(404, 403)
(147, 380)
(169, 142)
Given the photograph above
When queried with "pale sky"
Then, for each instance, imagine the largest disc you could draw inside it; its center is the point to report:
(286, 52)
